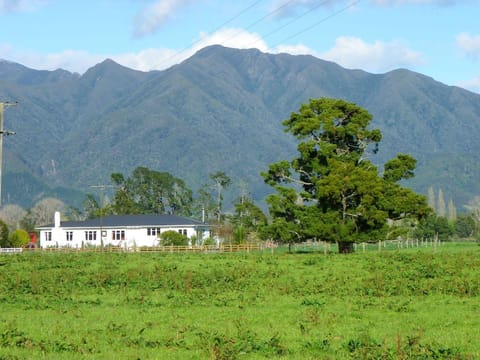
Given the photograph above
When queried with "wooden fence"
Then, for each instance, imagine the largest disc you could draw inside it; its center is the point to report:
(156, 249)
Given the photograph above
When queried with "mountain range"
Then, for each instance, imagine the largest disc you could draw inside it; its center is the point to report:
(220, 110)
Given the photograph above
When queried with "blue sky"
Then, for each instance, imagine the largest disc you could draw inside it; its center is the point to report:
(438, 38)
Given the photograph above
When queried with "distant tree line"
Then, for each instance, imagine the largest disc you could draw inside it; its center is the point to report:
(330, 191)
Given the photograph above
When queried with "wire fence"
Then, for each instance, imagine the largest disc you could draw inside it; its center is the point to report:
(386, 245)
(311, 246)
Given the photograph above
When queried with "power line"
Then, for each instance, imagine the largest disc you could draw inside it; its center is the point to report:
(255, 3)
(274, 11)
(258, 21)
(2, 133)
(335, 13)
(295, 19)
(243, 11)
(102, 188)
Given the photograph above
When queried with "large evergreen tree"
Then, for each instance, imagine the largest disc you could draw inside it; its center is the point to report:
(332, 191)
(150, 192)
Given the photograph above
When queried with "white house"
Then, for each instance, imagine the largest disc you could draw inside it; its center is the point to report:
(118, 230)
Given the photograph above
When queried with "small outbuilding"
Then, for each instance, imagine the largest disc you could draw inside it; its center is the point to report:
(125, 231)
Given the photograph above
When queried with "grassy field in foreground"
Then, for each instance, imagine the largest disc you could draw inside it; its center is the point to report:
(405, 304)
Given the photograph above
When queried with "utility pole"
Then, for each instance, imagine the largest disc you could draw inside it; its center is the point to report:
(101, 204)
(102, 187)
(2, 133)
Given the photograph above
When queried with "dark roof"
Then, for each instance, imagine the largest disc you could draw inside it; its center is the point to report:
(130, 220)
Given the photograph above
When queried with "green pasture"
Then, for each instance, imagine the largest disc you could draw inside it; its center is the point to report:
(413, 303)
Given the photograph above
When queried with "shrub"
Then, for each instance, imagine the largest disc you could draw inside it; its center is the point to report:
(171, 237)
(19, 238)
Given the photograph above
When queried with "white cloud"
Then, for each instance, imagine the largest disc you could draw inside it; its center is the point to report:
(14, 6)
(296, 50)
(5, 51)
(282, 8)
(236, 38)
(71, 60)
(469, 44)
(472, 84)
(145, 60)
(433, 2)
(149, 59)
(159, 59)
(155, 15)
(352, 52)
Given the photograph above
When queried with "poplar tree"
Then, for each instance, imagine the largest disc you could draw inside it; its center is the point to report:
(431, 198)
(452, 211)
(441, 207)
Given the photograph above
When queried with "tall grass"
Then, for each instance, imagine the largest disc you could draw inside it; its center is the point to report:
(405, 304)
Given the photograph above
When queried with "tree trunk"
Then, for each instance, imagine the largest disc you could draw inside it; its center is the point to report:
(345, 247)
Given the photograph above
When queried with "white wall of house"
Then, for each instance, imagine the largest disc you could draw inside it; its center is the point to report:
(125, 237)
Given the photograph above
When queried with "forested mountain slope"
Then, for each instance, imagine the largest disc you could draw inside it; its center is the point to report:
(220, 110)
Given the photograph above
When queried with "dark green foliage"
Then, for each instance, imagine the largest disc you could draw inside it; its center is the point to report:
(150, 192)
(401, 167)
(432, 226)
(465, 226)
(247, 219)
(4, 238)
(337, 194)
(24, 189)
(365, 347)
(235, 346)
(283, 211)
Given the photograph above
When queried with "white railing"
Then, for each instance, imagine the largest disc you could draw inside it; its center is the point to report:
(11, 250)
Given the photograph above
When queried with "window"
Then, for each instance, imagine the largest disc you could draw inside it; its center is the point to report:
(90, 235)
(118, 235)
(153, 231)
(48, 236)
(182, 231)
(69, 235)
